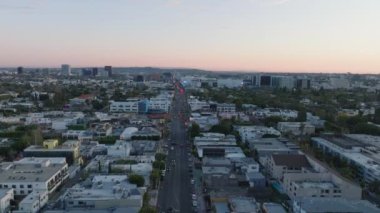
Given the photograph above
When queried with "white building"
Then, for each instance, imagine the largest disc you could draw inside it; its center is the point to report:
(33, 202)
(226, 108)
(336, 205)
(248, 133)
(365, 157)
(204, 120)
(230, 83)
(30, 174)
(314, 184)
(119, 149)
(6, 195)
(127, 133)
(129, 106)
(107, 191)
(296, 128)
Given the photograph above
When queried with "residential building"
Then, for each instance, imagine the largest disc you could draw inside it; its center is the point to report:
(33, 202)
(248, 133)
(273, 208)
(104, 192)
(336, 205)
(314, 184)
(6, 196)
(129, 106)
(296, 128)
(363, 155)
(243, 205)
(280, 164)
(29, 174)
(226, 108)
(69, 150)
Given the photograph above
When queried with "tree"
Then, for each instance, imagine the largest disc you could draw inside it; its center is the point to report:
(376, 117)
(272, 120)
(159, 165)
(136, 179)
(155, 177)
(301, 116)
(225, 127)
(160, 157)
(194, 130)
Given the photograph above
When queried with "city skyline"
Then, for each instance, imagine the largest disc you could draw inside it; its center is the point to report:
(241, 35)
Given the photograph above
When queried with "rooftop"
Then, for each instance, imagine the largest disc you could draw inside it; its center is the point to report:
(337, 205)
(291, 160)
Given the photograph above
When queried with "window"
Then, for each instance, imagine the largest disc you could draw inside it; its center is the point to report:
(22, 192)
(21, 186)
(29, 186)
(14, 186)
(71, 202)
(6, 186)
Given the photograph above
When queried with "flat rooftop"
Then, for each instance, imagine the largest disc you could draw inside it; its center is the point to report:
(322, 205)
(27, 173)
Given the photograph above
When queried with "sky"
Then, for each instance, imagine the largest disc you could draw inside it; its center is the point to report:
(230, 35)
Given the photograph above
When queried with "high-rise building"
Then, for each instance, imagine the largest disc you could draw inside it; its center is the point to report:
(265, 80)
(108, 69)
(86, 72)
(20, 70)
(66, 69)
(94, 71)
(303, 83)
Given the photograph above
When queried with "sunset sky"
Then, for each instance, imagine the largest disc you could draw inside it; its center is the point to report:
(244, 35)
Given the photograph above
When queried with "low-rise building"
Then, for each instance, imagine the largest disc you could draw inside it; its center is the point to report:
(248, 133)
(273, 208)
(226, 108)
(243, 205)
(280, 164)
(296, 128)
(69, 150)
(33, 202)
(361, 154)
(6, 196)
(319, 185)
(30, 174)
(336, 205)
(106, 191)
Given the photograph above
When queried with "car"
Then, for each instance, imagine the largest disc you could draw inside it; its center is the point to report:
(172, 148)
(194, 196)
(195, 203)
(192, 181)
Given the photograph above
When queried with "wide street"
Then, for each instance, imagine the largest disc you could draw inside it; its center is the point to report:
(175, 189)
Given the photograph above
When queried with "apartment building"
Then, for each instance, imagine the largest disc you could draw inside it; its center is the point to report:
(30, 174)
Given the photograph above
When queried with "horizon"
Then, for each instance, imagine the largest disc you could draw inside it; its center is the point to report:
(291, 36)
(193, 68)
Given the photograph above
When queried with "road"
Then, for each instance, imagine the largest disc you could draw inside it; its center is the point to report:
(175, 189)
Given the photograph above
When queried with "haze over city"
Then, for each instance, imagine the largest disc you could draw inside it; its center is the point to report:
(238, 35)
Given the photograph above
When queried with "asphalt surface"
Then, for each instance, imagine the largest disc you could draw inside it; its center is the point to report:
(176, 189)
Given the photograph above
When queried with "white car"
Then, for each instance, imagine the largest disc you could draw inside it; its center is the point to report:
(194, 196)
(192, 181)
(195, 203)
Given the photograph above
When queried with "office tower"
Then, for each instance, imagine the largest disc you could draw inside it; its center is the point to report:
(86, 72)
(65, 69)
(108, 69)
(303, 83)
(265, 80)
(94, 71)
(20, 70)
